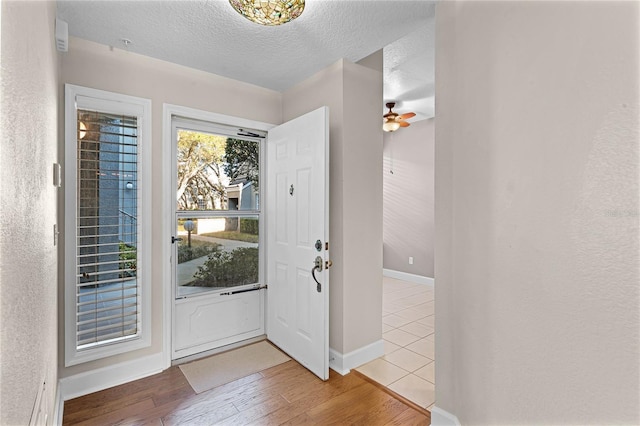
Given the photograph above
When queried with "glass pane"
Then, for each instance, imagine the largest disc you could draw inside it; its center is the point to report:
(216, 253)
(216, 172)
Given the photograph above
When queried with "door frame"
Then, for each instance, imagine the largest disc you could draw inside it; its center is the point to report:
(169, 110)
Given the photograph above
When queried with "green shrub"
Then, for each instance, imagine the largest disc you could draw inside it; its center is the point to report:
(249, 226)
(186, 253)
(228, 269)
(128, 257)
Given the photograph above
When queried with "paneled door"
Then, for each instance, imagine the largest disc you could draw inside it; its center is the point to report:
(297, 239)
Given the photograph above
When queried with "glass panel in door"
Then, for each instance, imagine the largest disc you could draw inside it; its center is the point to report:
(216, 172)
(216, 253)
(217, 212)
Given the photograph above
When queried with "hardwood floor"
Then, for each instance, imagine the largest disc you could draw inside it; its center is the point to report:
(286, 394)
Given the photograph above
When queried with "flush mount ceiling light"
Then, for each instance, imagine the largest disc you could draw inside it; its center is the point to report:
(269, 12)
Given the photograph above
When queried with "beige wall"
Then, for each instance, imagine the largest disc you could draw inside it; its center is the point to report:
(28, 266)
(408, 193)
(362, 206)
(356, 157)
(352, 93)
(101, 67)
(325, 89)
(537, 212)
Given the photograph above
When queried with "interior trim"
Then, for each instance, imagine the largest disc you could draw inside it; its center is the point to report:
(405, 276)
(58, 410)
(112, 375)
(168, 111)
(440, 417)
(343, 363)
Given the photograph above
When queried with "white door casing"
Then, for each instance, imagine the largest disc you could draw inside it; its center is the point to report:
(298, 216)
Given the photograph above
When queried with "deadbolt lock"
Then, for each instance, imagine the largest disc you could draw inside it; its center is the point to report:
(317, 263)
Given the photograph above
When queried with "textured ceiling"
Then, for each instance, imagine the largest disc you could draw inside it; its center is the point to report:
(211, 36)
(409, 72)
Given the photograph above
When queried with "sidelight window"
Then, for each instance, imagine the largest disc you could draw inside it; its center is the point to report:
(106, 230)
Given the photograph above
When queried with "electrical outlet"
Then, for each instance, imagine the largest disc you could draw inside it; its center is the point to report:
(410, 260)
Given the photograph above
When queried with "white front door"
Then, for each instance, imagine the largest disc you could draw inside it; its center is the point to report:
(297, 235)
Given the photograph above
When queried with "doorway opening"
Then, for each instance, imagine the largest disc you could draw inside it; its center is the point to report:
(235, 225)
(217, 251)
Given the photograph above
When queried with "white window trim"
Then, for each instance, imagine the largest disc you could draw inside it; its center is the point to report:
(87, 98)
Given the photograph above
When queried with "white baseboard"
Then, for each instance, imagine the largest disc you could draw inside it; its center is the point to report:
(336, 362)
(440, 417)
(405, 276)
(343, 363)
(112, 375)
(58, 410)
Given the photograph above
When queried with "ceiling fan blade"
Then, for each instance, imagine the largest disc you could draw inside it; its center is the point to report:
(404, 123)
(407, 115)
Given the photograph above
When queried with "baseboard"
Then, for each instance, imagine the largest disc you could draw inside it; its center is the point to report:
(405, 276)
(336, 362)
(112, 375)
(343, 363)
(58, 411)
(440, 417)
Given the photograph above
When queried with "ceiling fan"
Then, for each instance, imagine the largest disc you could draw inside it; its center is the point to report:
(393, 121)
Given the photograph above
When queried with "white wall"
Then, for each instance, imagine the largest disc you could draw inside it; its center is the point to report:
(352, 93)
(408, 192)
(537, 212)
(101, 67)
(28, 122)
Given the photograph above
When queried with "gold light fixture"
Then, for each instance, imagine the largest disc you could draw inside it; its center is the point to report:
(269, 12)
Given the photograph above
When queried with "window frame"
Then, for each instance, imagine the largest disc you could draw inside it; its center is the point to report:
(78, 97)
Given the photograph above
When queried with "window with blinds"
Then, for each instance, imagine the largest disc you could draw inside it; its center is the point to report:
(107, 226)
(107, 229)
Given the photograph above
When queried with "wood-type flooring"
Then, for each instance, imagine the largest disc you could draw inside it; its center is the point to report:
(286, 394)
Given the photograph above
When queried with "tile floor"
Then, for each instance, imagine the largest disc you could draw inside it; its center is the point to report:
(407, 367)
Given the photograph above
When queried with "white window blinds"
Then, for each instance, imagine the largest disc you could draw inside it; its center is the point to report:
(107, 228)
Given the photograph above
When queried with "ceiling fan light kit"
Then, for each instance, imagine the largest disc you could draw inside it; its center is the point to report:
(390, 126)
(271, 12)
(393, 121)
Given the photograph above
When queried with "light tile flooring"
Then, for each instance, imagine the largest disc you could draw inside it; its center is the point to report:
(407, 367)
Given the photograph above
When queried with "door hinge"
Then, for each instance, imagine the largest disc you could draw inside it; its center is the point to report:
(326, 245)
